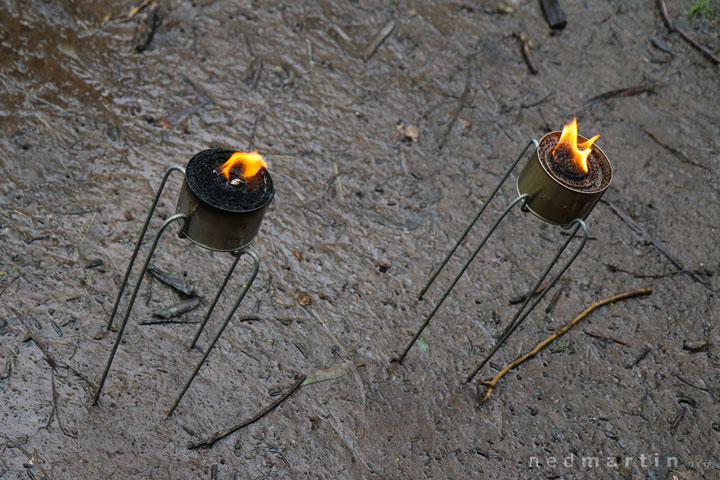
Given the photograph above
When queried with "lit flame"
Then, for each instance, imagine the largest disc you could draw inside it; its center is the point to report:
(251, 164)
(569, 135)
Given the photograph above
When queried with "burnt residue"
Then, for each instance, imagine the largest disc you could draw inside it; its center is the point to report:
(207, 182)
(560, 163)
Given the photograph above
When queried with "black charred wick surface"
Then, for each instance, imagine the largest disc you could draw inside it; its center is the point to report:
(564, 163)
(239, 194)
(564, 169)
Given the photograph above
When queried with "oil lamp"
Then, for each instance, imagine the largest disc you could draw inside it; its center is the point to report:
(560, 184)
(220, 207)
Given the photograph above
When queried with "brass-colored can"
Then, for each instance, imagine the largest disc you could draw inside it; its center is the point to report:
(222, 215)
(553, 200)
(217, 229)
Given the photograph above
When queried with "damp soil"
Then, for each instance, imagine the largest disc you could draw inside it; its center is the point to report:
(362, 215)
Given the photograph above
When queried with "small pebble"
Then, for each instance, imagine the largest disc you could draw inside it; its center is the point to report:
(412, 133)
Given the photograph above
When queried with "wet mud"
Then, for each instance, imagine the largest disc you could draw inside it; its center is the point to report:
(366, 206)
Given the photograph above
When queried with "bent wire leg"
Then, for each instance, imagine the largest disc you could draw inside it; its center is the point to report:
(139, 241)
(522, 314)
(163, 227)
(217, 297)
(256, 267)
(470, 226)
(519, 199)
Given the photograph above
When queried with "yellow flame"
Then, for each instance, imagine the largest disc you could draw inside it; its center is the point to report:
(569, 135)
(251, 163)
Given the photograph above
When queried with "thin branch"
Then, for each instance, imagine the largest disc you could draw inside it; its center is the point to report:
(519, 361)
(212, 439)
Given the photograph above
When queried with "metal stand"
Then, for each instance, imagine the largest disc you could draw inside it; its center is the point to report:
(256, 267)
(524, 310)
(156, 240)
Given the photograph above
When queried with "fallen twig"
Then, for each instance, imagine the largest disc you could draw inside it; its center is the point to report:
(146, 27)
(691, 41)
(673, 150)
(9, 284)
(52, 362)
(523, 297)
(545, 99)
(378, 39)
(257, 72)
(659, 246)
(519, 361)
(137, 9)
(332, 335)
(702, 49)
(172, 281)
(665, 15)
(525, 45)
(640, 357)
(615, 268)
(556, 297)
(175, 310)
(626, 92)
(676, 421)
(55, 412)
(605, 337)
(34, 458)
(212, 439)
(168, 321)
(459, 108)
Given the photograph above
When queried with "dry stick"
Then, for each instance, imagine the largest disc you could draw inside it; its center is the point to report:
(337, 177)
(135, 10)
(698, 47)
(673, 150)
(9, 284)
(378, 40)
(554, 300)
(691, 41)
(626, 92)
(525, 48)
(615, 268)
(55, 412)
(212, 439)
(523, 297)
(491, 384)
(54, 364)
(257, 73)
(459, 108)
(659, 246)
(665, 15)
(32, 457)
(605, 337)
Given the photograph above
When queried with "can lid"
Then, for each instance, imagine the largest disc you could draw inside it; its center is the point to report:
(206, 181)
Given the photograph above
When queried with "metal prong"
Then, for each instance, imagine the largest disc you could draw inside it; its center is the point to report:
(470, 226)
(519, 199)
(217, 297)
(140, 239)
(522, 314)
(249, 283)
(165, 224)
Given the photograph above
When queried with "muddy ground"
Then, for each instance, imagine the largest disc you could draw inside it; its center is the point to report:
(89, 125)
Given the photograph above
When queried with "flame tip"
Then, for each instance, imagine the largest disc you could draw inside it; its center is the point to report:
(569, 135)
(251, 163)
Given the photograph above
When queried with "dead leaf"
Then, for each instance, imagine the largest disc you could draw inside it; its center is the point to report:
(304, 299)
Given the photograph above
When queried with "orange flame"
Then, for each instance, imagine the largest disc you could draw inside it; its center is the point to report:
(569, 135)
(251, 164)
